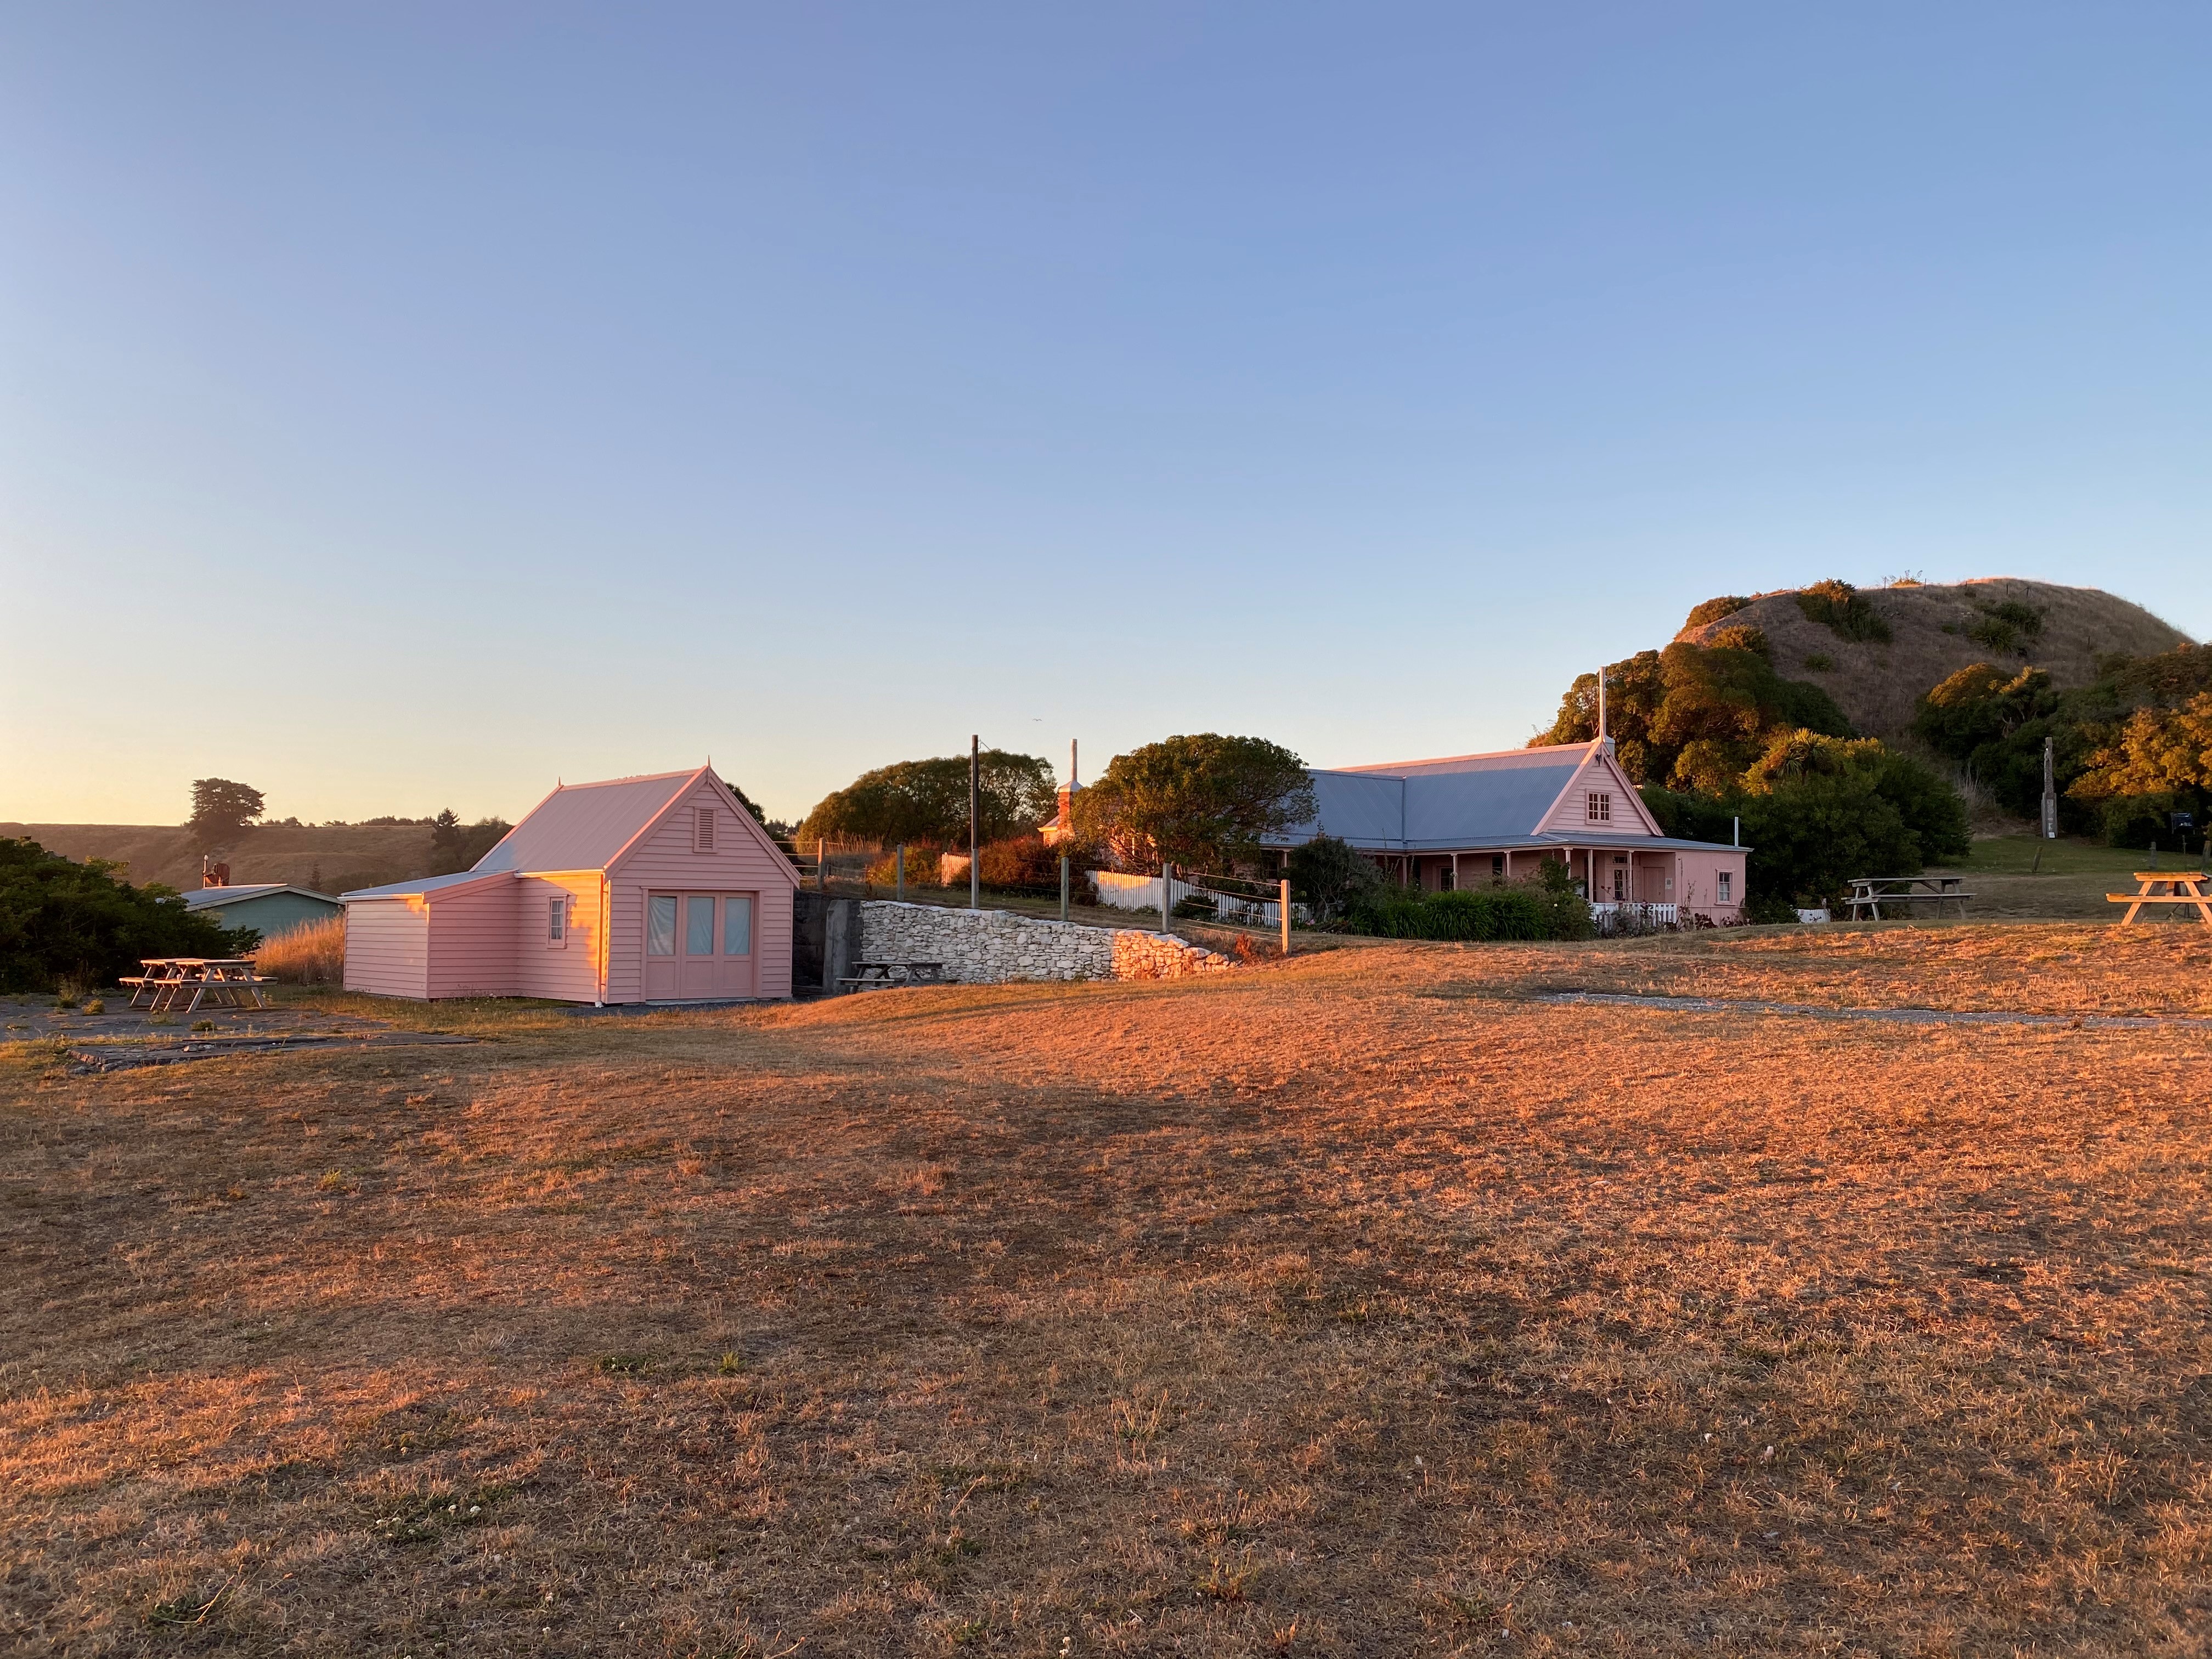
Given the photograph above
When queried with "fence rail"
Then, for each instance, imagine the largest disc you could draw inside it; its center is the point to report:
(1623, 916)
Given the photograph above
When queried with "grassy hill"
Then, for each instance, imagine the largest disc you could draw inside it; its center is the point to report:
(1934, 631)
(331, 858)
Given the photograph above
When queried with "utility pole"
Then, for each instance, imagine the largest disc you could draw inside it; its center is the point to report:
(1063, 887)
(1286, 889)
(2049, 797)
(900, 856)
(974, 810)
(1601, 704)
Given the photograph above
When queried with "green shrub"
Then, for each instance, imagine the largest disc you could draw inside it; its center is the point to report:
(1844, 610)
(2004, 627)
(1328, 876)
(1742, 637)
(1025, 865)
(1546, 906)
(60, 919)
(1474, 913)
(1819, 662)
(920, 868)
(1713, 609)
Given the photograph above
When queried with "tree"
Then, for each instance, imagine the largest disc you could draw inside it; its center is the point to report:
(455, 846)
(1694, 716)
(221, 809)
(925, 802)
(2159, 762)
(1205, 801)
(1331, 876)
(1819, 811)
(746, 801)
(2159, 751)
(61, 920)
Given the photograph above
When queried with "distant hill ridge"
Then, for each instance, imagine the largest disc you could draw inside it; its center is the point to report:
(1932, 631)
(342, 855)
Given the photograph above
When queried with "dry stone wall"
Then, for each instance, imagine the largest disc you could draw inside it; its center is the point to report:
(988, 947)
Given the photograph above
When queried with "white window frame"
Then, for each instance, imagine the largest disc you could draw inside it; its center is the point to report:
(1597, 806)
(556, 922)
(1727, 885)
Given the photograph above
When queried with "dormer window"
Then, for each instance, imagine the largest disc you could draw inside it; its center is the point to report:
(703, 828)
(1598, 807)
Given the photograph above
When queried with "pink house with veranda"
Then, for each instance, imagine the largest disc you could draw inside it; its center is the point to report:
(660, 889)
(1469, 820)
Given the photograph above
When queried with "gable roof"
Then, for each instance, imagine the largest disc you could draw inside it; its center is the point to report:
(593, 826)
(209, 898)
(584, 826)
(1458, 800)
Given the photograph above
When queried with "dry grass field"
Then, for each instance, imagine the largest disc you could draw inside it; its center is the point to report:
(1357, 1306)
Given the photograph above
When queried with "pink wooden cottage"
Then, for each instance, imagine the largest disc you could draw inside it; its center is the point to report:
(1467, 820)
(659, 888)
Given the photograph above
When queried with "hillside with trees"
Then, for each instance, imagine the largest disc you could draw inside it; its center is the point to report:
(1876, 651)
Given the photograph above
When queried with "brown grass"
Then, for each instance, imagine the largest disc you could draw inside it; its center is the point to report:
(312, 954)
(1352, 1306)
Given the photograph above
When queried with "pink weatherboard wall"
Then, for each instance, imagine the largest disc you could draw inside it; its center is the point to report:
(575, 931)
(664, 861)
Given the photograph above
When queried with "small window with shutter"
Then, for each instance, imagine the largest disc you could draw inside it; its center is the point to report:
(703, 828)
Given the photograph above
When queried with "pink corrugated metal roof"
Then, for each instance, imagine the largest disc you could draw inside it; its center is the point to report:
(581, 826)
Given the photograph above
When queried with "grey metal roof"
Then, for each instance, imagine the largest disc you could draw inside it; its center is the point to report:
(206, 898)
(424, 886)
(581, 826)
(1458, 804)
(1463, 800)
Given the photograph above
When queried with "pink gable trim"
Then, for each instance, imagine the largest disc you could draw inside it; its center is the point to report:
(1597, 758)
(682, 797)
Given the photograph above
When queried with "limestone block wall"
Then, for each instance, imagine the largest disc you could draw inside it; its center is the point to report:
(988, 947)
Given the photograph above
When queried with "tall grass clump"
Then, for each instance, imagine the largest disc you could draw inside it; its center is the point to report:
(314, 954)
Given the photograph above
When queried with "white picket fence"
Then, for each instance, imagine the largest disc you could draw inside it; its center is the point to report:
(1612, 915)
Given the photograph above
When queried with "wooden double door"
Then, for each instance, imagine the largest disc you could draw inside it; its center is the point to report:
(699, 946)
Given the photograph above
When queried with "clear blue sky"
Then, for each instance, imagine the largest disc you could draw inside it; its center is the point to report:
(403, 406)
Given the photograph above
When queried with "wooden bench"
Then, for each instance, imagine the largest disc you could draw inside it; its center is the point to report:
(2188, 888)
(886, 976)
(1870, 893)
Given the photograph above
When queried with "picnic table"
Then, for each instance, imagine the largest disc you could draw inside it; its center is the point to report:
(884, 976)
(2187, 887)
(1870, 893)
(224, 981)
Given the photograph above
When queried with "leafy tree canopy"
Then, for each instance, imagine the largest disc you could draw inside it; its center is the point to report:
(1330, 877)
(221, 809)
(1992, 724)
(1204, 801)
(925, 802)
(2159, 751)
(1818, 811)
(1693, 716)
(60, 919)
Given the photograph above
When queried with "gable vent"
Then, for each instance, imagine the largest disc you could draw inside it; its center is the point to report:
(703, 828)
